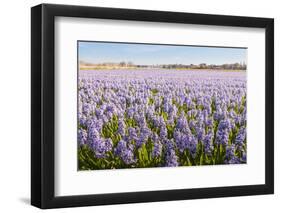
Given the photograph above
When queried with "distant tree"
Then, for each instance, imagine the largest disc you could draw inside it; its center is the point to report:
(203, 66)
(122, 63)
(130, 64)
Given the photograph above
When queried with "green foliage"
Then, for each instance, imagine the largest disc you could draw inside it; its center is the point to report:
(154, 91)
(88, 161)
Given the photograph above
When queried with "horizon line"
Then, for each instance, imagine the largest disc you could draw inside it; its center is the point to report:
(127, 62)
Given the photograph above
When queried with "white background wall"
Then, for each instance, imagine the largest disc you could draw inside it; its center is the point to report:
(15, 105)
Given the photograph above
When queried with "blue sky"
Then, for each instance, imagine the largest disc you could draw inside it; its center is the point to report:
(145, 54)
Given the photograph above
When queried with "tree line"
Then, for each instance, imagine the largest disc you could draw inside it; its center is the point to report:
(124, 64)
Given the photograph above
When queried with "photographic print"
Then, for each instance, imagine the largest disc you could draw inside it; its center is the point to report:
(150, 105)
(155, 101)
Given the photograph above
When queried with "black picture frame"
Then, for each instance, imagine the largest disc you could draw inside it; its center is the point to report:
(43, 102)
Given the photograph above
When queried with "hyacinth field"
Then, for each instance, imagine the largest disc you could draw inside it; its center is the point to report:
(161, 118)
